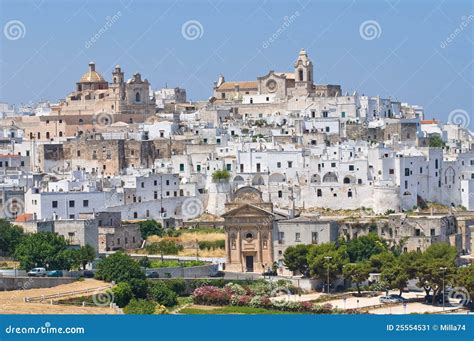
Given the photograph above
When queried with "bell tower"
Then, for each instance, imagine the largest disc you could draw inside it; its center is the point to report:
(303, 74)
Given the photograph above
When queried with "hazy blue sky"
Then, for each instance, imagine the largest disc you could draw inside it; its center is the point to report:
(407, 58)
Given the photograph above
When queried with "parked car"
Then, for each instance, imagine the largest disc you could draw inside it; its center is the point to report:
(152, 274)
(55, 273)
(392, 299)
(88, 274)
(37, 272)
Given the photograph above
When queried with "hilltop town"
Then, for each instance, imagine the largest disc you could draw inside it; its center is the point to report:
(270, 163)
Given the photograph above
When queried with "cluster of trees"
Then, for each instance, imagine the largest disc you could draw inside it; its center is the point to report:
(221, 175)
(356, 259)
(164, 247)
(42, 249)
(132, 289)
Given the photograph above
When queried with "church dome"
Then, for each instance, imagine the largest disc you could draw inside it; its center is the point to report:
(92, 76)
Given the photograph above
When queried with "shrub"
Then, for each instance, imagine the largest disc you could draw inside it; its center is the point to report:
(160, 310)
(260, 302)
(210, 295)
(140, 307)
(177, 285)
(211, 244)
(161, 293)
(139, 287)
(236, 289)
(144, 262)
(122, 294)
(243, 300)
(165, 247)
(119, 267)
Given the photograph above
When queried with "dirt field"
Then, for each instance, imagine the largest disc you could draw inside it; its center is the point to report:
(11, 302)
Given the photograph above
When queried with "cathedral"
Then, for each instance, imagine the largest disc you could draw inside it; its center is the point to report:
(94, 95)
(275, 86)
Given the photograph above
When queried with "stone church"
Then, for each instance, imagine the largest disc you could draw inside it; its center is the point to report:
(249, 223)
(94, 95)
(275, 86)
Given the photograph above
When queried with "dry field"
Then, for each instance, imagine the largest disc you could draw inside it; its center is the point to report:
(12, 302)
(188, 240)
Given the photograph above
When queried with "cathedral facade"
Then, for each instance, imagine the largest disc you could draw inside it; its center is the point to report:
(275, 86)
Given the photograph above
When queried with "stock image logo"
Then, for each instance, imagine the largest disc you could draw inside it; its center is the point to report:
(370, 30)
(192, 30)
(459, 117)
(103, 119)
(103, 298)
(14, 30)
(192, 208)
(13, 207)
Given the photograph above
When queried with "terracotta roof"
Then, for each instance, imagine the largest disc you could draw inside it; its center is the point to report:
(428, 122)
(250, 85)
(24, 217)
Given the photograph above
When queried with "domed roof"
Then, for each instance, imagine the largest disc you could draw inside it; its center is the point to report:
(92, 76)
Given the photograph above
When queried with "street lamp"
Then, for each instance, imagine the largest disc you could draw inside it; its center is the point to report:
(328, 258)
(444, 273)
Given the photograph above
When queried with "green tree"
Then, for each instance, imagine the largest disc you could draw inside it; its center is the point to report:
(221, 175)
(319, 263)
(435, 141)
(119, 267)
(151, 228)
(435, 264)
(122, 294)
(378, 261)
(85, 255)
(296, 259)
(362, 248)
(41, 249)
(139, 287)
(162, 294)
(144, 262)
(10, 237)
(465, 278)
(140, 307)
(357, 272)
(395, 276)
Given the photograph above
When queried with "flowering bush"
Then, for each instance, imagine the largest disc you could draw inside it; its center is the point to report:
(243, 300)
(212, 295)
(236, 289)
(260, 302)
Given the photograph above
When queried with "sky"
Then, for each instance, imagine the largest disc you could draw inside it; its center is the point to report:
(414, 51)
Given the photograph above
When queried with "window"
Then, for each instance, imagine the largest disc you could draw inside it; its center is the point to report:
(229, 167)
(258, 168)
(436, 164)
(54, 204)
(281, 237)
(181, 167)
(47, 135)
(327, 129)
(280, 194)
(300, 74)
(351, 167)
(137, 97)
(391, 171)
(297, 237)
(314, 237)
(343, 114)
(349, 194)
(417, 232)
(135, 215)
(85, 203)
(432, 232)
(143, 184)
(278, 164)
(407, 171)
(198, 168)
(333, 164)
(78, 153)
(167, 182)
(290, 164)
(325, 114)
(71, 203)
(155, 195)
(319, 193)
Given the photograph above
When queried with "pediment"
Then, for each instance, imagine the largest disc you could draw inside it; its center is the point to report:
(247, 210)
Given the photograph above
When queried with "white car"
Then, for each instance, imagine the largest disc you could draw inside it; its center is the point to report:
(37, 272)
